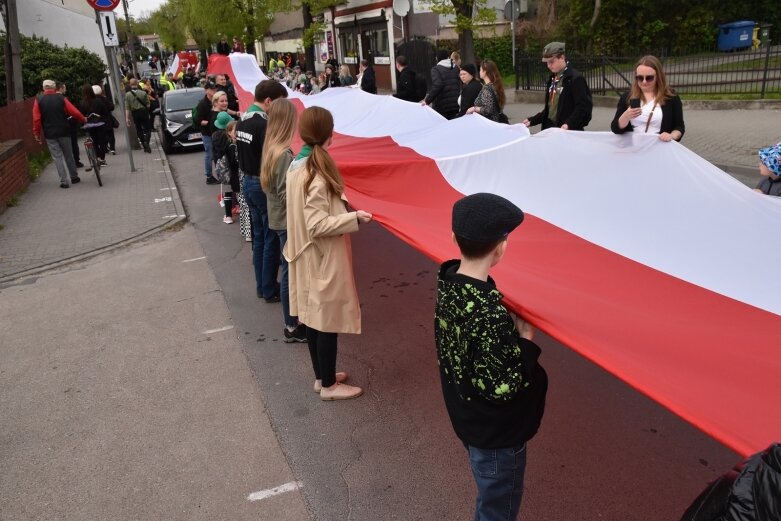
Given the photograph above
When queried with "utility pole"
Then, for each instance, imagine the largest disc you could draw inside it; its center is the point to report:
(130, 40)
(13, 57)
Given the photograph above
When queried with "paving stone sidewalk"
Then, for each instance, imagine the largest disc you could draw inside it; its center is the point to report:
(51, 225)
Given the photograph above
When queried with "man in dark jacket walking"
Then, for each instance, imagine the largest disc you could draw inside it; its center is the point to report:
(445, 86)
(50, 119)
(568, 102)
(405, 81)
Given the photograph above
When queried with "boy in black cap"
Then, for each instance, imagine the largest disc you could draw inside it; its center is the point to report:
(494, 389)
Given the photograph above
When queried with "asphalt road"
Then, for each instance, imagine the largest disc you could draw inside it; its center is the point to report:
(604, 451)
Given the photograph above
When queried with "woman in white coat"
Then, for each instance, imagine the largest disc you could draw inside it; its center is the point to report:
(322, 285)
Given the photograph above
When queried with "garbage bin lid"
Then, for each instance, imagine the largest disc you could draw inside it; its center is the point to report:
(733, 25)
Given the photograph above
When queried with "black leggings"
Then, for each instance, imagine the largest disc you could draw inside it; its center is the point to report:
(322, 350)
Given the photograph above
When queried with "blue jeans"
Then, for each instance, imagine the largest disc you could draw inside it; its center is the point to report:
(207, 158)
(265, 245)
(498, 474)
(284, 286)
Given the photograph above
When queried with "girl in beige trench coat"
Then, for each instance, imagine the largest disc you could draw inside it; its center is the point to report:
(322, 285)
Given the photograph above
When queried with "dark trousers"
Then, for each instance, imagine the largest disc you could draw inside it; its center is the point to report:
(98, 136)
(74, 143)
(110, 139)
(322, 350)
(143, 125)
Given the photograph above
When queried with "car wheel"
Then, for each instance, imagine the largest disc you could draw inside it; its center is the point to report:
(168, 144)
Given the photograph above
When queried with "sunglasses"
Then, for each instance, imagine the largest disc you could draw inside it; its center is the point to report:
(648, 79)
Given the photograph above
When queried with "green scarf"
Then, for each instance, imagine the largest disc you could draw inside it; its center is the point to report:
(306, 151)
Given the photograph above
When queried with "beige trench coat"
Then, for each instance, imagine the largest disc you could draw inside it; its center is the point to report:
(322, 285)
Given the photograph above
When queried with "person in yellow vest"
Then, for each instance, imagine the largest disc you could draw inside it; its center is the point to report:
(168, 82)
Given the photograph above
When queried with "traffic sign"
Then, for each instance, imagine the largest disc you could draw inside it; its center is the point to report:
(108, 29)
(103, 5)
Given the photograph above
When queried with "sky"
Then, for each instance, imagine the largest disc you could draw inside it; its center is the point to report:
(139, 7)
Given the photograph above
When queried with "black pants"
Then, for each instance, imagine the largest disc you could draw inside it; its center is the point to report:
(98, 136)
(322, 350)
(110, 139)
(143, 125)
(74, 143)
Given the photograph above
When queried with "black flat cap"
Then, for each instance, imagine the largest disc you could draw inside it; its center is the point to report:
(485, 217)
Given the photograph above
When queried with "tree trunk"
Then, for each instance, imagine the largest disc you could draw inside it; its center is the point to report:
(466, 46)
(594, 18)
(309, 51)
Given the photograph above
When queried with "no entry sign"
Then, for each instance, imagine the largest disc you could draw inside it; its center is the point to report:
(103, 5)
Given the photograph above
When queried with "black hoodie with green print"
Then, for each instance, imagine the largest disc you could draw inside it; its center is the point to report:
(494, 388)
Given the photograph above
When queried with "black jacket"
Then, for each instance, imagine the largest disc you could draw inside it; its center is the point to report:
(250, 133)
(493, 385)
(750, 492)
(223, 48)
(98, 106)
(469, 94)
(203, 112)
(672, 116)
(405, 85)
(445, 89)
(574, 105)
(368, 81)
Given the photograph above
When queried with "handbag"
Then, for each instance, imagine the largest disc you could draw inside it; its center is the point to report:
(114, 121)
(502, 118)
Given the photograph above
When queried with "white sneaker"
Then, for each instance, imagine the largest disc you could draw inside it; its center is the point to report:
(227, 220)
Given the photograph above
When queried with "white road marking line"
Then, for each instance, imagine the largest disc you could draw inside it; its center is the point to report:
(195, 259)
(163, 200)
(164, 189)
(263, 494)
(210, 331)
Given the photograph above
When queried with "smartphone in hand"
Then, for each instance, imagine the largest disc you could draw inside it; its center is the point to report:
(634, 103)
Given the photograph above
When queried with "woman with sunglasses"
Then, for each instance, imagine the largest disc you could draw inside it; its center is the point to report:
(650, 106)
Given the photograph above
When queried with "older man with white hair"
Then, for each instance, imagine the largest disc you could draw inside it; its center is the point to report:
(50, 119)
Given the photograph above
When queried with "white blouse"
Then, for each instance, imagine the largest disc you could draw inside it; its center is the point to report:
(640, 121)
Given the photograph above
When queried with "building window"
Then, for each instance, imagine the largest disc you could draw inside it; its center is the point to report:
(349, 47)
(380, 42)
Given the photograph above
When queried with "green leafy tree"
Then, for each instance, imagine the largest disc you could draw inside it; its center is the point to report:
(468, 15)
(169, 22)
(43, 60)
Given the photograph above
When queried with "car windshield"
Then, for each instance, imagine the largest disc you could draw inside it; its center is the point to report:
(183, 101)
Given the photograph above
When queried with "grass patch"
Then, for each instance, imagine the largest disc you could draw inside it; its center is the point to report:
(12, 201)
(36, 163)
(736, 96)
(757, 64)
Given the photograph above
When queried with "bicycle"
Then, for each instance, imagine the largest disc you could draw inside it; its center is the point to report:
(89, 148)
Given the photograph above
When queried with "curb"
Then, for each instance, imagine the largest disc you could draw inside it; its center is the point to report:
(537, 97)
(180, 217)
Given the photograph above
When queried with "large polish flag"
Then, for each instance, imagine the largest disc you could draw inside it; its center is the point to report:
(638, 254)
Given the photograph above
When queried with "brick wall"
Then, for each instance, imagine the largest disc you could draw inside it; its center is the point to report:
(17, 123)
(13, 170)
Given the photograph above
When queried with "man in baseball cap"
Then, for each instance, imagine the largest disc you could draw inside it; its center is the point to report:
(568, 102)
(493, 386)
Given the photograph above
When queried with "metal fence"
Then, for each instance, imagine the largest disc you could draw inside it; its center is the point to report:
(753, 72)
